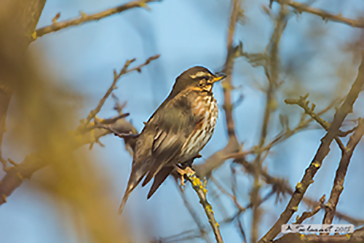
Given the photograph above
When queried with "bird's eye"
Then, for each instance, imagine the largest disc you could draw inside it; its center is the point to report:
(200, 84)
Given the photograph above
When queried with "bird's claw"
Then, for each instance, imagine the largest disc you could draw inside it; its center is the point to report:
(186, 171)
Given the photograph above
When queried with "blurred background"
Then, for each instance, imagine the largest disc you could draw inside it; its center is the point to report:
(66, 73)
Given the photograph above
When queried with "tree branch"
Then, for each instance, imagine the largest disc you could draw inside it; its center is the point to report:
(123, 71)
(282, 136)
(228, 68)
(303, 103)
(201, 192)
(315, 210)
(301, 7)
(83, 18)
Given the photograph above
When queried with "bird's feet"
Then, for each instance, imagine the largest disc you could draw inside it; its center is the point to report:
(183, 172)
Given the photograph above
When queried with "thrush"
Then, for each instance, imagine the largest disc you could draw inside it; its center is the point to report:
(177, 131)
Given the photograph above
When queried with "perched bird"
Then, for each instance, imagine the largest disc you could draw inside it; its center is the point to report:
(176, 132)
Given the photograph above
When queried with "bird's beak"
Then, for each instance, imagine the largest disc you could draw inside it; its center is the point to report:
(218, 77)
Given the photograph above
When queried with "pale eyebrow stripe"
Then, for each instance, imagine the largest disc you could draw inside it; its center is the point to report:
(199, 75)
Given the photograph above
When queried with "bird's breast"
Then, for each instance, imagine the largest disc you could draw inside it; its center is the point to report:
(206, 108)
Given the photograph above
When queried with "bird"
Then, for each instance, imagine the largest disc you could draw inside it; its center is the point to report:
(176, 132)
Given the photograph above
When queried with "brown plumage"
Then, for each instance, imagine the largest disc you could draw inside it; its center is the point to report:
(177, 131)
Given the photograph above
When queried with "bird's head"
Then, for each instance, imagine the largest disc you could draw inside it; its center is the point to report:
(199, 78)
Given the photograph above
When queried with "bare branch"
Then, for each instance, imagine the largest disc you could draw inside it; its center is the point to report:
(234, 189)
(83, 18)
(301, 7)
(302, 102)
(228, 68)
(222, 189)
(123, 71)
(282, 137)
(306, 215)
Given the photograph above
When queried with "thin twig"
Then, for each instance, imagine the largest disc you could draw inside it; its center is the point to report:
(112, 120)
(183, 236)
(123, 71)
(224, 191)
(228, 68)
(303, 103)
(306, 215)
(118, 105)
(301, 7)
(83, 18)
(116, 133)
(283, 136)
(234, 186)
(99, 123)
(249, 205)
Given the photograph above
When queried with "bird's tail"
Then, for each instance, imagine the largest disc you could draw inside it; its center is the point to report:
(135, 178)
(128, 190)
(159, 179)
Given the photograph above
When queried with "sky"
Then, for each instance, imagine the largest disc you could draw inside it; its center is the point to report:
(188, 33)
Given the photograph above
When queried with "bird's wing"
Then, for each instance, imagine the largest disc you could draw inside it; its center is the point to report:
(174, 123)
